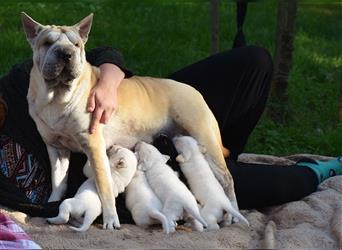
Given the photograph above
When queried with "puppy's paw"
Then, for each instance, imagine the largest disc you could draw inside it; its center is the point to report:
(197, 226)
(228, 220)
(111, 221)
(213, 227)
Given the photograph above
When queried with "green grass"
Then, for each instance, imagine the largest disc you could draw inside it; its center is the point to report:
(160, 36)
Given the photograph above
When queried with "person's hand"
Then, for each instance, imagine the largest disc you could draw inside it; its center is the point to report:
(102, 100)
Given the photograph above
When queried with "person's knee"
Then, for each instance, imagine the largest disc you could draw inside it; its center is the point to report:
(260, 59)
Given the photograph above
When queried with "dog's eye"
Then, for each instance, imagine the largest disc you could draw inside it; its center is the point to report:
(77, 45)
(47, 43)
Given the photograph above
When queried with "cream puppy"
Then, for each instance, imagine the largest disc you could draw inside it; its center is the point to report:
(203, 183)
(144, 205)
(86, 206)
(177, 200)
(123, 164)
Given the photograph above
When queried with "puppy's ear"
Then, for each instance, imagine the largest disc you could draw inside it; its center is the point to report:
(121, 163)
(31, 27)
(84, 27)
(180, 158)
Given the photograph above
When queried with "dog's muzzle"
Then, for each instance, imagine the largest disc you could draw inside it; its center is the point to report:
(60, 67)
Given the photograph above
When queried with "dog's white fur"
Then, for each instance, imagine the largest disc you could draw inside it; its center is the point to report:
(203, 183)
(174, 195)
(144, 205)
(85, 206)
(60, 82)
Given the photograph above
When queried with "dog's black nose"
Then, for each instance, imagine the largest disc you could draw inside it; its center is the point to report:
(64, 55)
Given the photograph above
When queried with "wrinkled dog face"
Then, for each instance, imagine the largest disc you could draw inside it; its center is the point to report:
(58, 51)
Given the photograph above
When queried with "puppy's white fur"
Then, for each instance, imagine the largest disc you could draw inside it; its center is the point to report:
(86, 204)
(203, 183)
(174, 195)
(123, 164)
(144, 205)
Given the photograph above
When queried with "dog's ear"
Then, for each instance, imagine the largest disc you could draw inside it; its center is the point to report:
(84, 27)
(31, 27)
(180, 158)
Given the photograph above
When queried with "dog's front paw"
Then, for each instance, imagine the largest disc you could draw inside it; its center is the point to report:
(111, 221)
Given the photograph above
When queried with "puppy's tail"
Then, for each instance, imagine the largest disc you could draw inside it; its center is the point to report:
(89, 218)
(227, 206)
(194, 211)
(155, 214)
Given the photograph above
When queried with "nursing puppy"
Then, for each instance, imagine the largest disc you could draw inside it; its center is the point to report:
(61, 81)
(177, 200)
(85, 207)
(144, 205)
(123, 164)
(203, 183)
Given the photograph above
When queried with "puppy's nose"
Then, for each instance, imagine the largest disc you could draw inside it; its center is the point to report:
(64, 55)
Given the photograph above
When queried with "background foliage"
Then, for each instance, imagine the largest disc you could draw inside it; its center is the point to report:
(158, 37)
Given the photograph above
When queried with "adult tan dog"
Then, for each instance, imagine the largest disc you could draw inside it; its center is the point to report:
(60, 82)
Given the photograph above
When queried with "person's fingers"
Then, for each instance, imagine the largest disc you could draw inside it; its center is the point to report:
(96, 116)
(91, 102)
(106, 116)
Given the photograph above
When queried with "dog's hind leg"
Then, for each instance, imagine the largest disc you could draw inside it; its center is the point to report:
(209, 217)
(63, 215)
(89, 218)
(172, 210)
(193, 223)
(229, 209)
(155, 214)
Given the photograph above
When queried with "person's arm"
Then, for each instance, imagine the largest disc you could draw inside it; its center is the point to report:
(102, 100)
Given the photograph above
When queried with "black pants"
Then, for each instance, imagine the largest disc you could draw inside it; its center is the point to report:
(235, 84)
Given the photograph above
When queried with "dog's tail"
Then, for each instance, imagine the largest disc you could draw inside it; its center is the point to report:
(194, 211)
(227, 206)
(89, 218)
(155, 214)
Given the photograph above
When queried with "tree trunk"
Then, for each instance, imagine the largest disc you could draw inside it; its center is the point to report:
(287, 11)
(215, 19)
